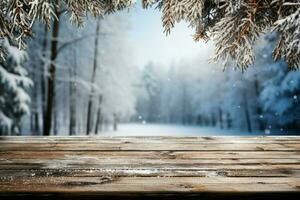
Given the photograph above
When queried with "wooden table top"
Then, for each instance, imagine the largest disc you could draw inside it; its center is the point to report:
(149, 166)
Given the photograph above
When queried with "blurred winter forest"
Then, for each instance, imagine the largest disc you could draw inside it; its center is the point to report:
(264, 98)
(83, 81)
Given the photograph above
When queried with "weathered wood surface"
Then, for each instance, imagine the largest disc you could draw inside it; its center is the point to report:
(149, 167)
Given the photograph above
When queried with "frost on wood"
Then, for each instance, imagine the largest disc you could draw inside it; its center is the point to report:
(13, 97)
(234, 25)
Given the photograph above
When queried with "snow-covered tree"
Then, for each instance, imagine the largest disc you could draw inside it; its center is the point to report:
(234, 25)
(152, 85)
(239, 100)
(280, 95)
(116, 74)
(14, 99)
(280, 91)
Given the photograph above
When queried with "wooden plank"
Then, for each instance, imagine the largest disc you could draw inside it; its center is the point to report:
(112, 184)
(124, 146)
(140, 172)
(189, 155)
(18, 166)
(274, 195)
(87, 162)
(185, 166)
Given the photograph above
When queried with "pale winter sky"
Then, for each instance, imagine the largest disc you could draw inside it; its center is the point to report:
(151, 44)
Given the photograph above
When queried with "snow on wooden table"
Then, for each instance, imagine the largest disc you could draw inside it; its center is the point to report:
(149, 167)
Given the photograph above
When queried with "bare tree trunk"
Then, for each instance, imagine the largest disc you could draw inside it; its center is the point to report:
(51, 78)
(258, 107)
(37, 123)
(106, 124)
(213, 119)
(72, 90)
(247, 113)
(183, 104)
(228, 121)
(199, 120)
(116, 121)
(90, 103)
(221, 118)
(34, 113)
(54, 117)
(72, 129)
(99, 116)
(43, 81)
(32, 122)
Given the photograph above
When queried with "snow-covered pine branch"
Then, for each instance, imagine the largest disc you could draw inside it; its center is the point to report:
(234, 25)
(289, 42)
(210, 18)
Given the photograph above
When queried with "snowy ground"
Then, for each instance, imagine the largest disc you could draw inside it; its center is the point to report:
(171, 130)
(136, 129)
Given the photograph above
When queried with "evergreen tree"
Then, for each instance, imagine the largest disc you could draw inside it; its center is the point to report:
(152, 86)
(281, 91)
(14, 99)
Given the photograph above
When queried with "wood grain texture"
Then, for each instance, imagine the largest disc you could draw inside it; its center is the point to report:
(149, 167)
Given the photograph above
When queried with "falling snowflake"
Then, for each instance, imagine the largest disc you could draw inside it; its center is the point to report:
(261, 116)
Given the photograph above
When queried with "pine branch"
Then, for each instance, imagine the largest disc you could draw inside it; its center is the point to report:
(234, 25)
